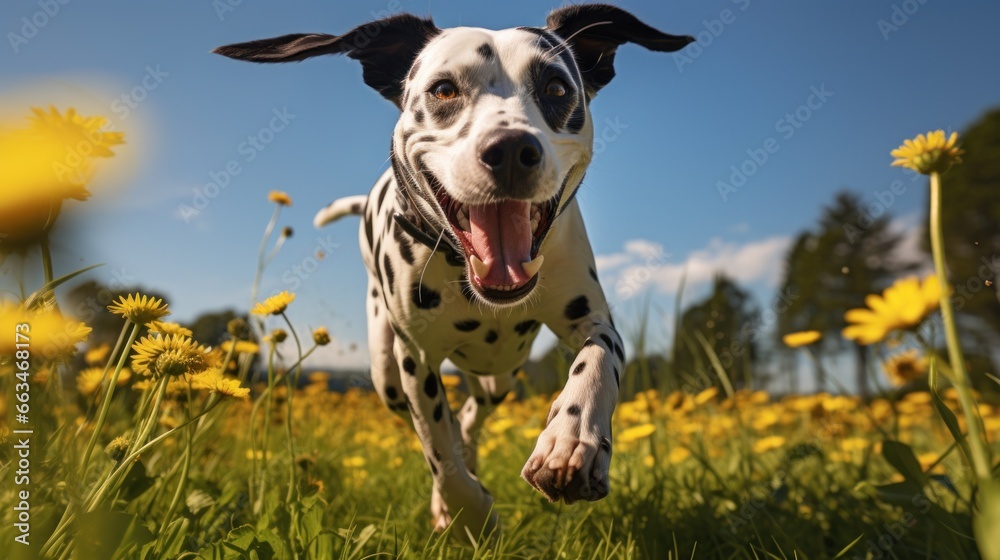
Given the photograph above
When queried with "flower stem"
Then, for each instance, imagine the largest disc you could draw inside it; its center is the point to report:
(980, 458)
(106, 405)
(46, 258)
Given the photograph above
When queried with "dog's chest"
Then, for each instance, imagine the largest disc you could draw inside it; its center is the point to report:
(424, 297)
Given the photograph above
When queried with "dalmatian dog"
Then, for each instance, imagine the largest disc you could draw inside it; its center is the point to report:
(473, 239)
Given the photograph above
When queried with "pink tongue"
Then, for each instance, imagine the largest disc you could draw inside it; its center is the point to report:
(501, 237)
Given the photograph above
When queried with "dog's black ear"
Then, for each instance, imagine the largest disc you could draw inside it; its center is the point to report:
(386, 49)
(594, 32)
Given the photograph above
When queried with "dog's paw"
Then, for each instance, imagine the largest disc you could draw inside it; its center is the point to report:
(570, 461)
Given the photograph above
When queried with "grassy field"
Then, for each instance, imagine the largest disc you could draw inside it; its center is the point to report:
(694, 476)
(158, 447)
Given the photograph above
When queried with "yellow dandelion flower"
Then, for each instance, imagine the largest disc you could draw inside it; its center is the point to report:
(678, 455)
(274, 305)
(279, 197)
(905, 367)
(852, 444)
(354, 462)
(213, 380)
(648, 461)
(241, 347)
(706, 396)
(321, 336)
(169, 355)
(90, 379)
(53, 336)
(500, 426)
(930, 153)
(804, 338)
(139, 309)
(97, 355)
(769, 443)
(44, 164)
(165, 328)
(636, 433)
(451, 381)
(902, 306)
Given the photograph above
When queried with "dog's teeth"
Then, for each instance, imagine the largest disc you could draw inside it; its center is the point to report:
(532, 267)
(479, 267)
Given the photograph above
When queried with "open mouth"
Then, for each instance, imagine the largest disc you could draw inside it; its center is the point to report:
(501, 242)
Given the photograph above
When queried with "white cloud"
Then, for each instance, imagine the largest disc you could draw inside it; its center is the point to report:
(644, 264)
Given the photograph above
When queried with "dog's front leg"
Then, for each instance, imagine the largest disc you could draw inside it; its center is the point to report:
(465, 499)
(573, 454)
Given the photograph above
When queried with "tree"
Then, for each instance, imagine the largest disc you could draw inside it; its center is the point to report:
(852, 254)
(724, 320)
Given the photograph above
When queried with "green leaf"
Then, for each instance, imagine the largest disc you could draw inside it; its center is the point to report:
(986, 523)
(39, 295)
(948, 416)
(901, 457)
(849, 546)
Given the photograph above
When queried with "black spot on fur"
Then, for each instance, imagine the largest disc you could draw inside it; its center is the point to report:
(405, 249)
(434, 468)
(464, 131)
(381, 195)
(368, 231)
(577, 119)
(444, 113)
(468, 325)
(438, 412)
(437, 454)
(486, 51)
(431, 385)
(619, 353)
(504, 123)
(577, 309)
(524, 327)
(375, 292)
(413, 70)
(406, 135)
(356, 208)
(481, 401)
(607, 341)
(593, 274)
(418, 116)
(497, 399)
(424, 297)
(617, 382)
(573, 410)
(588, 342)
(375, 311)
(427, 138)
(390, 276)
(409, 366)
(579, 368)
(390, 393)
(491, 337)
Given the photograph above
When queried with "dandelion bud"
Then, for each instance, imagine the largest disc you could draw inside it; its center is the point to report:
(279, 335)
(239, 328)
(117, 448)
(321, 336)
(287, 231)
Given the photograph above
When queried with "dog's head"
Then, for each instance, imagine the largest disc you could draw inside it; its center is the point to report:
(495, 133)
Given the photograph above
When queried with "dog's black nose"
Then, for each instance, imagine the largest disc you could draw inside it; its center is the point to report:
(511, 157)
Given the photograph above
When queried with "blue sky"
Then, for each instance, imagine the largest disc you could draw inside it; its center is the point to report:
(855, 76)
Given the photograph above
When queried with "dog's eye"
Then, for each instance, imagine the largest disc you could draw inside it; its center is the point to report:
(556, 88)
(445, 90)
